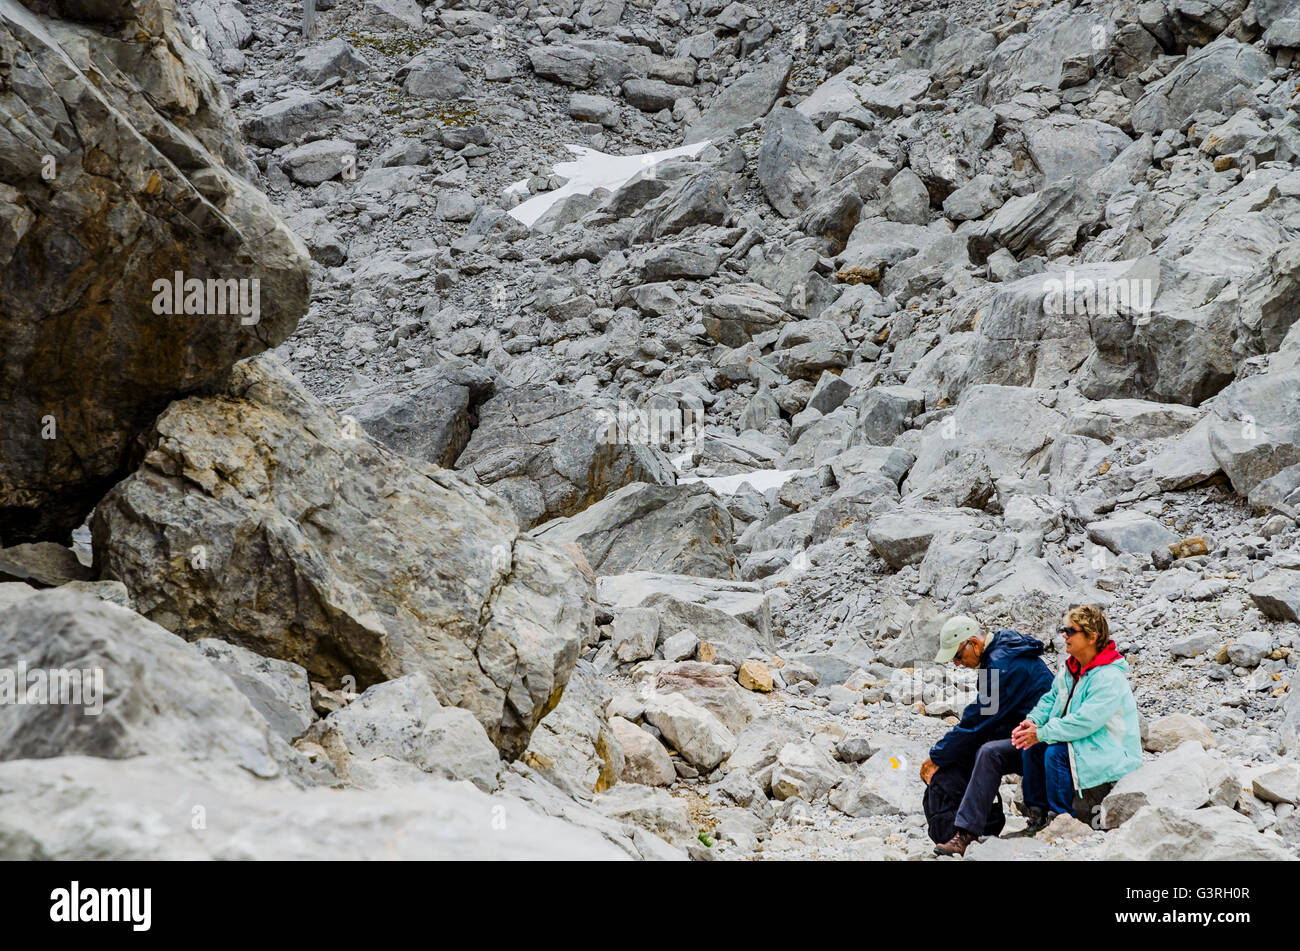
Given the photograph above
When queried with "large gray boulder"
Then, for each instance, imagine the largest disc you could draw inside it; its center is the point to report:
(742, 102)
(902, 536)
(289, 119)
(294, 536)
(793, 161)
(122, 168)
(429, 76)
(692, 730)
(126, 688)
(1178, 834)
(679, 529)
(1188, 777)
(742, 311)
(1255, 428)
(1009, 428)
(1277, 594)
(888, 784)
(550, 452)
(1064, 146)
(431, 417)
(1049, 222)
(1220, 77)
(1131, 532)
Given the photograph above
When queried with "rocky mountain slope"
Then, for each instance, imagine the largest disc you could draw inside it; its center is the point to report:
(669, 372)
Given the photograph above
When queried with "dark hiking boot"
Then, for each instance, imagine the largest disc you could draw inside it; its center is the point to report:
(956, 845)
(1037, 819)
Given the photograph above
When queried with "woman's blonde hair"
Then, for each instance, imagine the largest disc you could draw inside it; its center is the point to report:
(1092, 621)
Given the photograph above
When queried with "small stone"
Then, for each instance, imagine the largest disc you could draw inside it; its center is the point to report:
(1189, 547)
(1197, 643)
(755, 676)
(635, 633)
(1168, 733)
(1249, 649)
(681, 646)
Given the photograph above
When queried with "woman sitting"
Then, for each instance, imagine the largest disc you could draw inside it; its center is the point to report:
(1088, 721)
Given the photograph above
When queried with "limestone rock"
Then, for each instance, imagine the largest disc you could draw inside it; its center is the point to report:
(755, 676)
(645, 760)
(680, 529)
(155, 694)
(693, 731)
(1188, 778)
(1168, 733)
(552, 453)
(260, 545)
(75, 807)
(575, 746)
(1277, 594)
(277, 689)
(1178, 834)
(397, 731)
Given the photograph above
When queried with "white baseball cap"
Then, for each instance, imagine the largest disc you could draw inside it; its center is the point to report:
(955, 630)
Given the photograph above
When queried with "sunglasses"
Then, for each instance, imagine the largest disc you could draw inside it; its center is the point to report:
(961, 649)
(1069, 631)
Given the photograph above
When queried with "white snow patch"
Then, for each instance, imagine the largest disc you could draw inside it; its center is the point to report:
(592, 170)
(760, 479)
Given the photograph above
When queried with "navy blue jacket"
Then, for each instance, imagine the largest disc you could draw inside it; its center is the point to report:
(1004, 698)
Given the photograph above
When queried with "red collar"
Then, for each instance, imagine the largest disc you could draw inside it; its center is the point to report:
(1107, 655)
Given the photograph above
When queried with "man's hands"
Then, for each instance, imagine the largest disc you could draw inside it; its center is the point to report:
(928, 769)
(1025, 735)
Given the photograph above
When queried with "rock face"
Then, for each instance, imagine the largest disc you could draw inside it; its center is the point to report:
(110, 188)
(680, 529)
(551, 453)
(245, 520)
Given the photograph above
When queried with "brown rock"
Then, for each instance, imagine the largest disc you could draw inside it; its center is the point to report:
(127, 170)
(1189, 547)
(755, 676)
(42, 564)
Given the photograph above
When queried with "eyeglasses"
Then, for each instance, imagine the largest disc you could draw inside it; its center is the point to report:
(961, 649)
(1069, 631)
